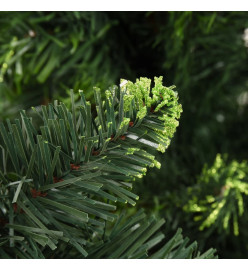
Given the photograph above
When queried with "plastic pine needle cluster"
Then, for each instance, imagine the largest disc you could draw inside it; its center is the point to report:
(60, 182)
(219, 196)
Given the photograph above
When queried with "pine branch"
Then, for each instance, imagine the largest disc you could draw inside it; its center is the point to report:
(219, 197)
(140, 238)
(61, 177)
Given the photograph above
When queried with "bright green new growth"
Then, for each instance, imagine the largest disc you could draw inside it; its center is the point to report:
(159, 97)
(60, 182)
(218, 198)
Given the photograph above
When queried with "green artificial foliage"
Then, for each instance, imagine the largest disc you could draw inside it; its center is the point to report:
(220, 195)
(60, 182)
(51, 51)
(43, 54)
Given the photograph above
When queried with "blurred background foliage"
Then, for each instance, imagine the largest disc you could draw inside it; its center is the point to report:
(44, 54)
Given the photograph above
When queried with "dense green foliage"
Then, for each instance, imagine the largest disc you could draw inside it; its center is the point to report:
(219, 196)
(50, 52)
(42, 55)
(59, 182)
